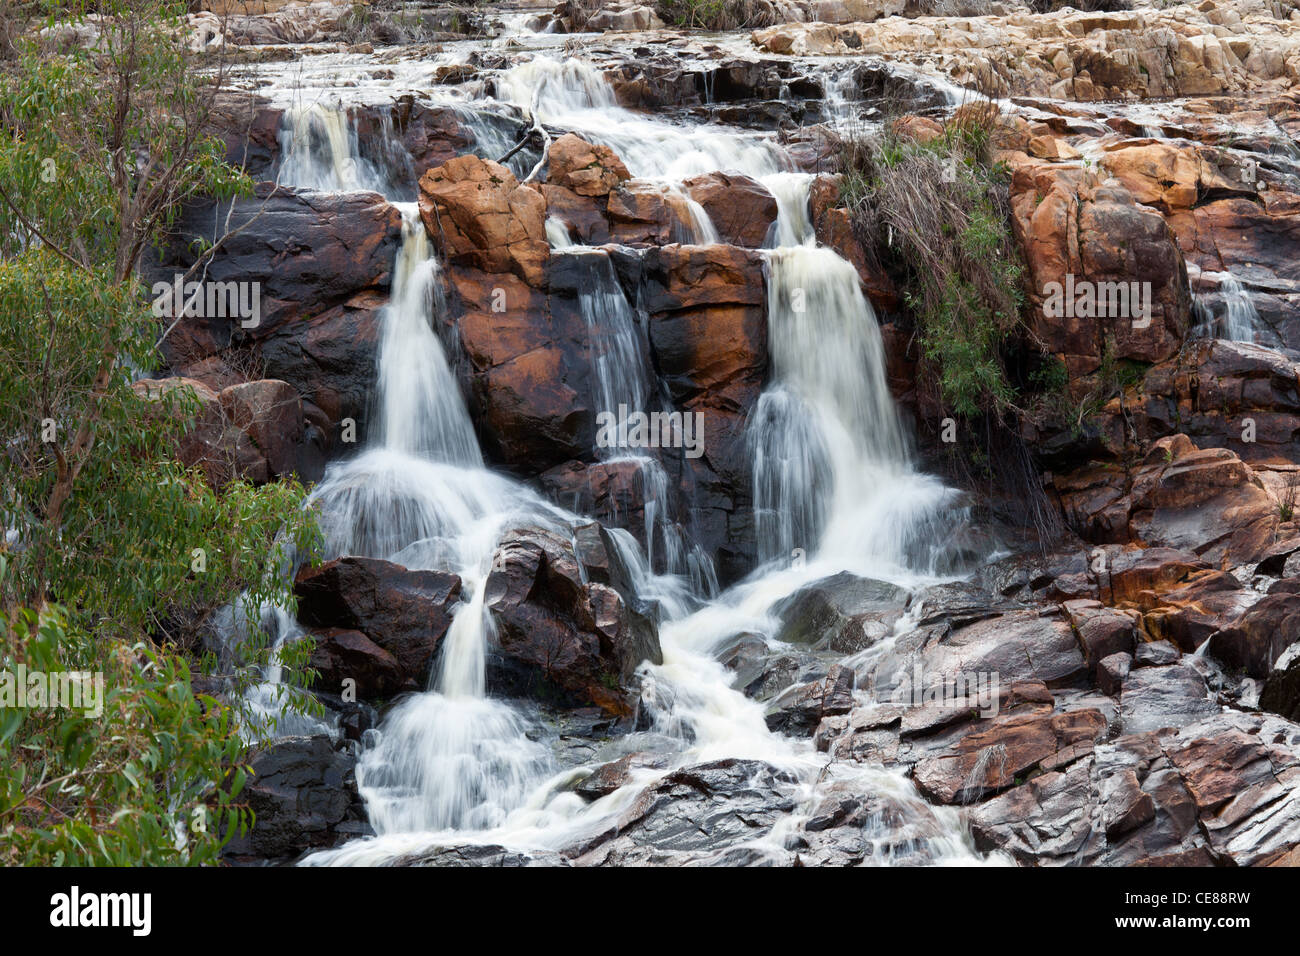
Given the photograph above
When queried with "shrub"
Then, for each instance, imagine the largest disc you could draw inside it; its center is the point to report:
(102, 526)
(938, 213)
(718, 15)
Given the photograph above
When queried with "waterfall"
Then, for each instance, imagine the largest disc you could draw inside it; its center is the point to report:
(832, 461)
(450, 758)
(1240, 319)
(616, 340)
(418, 495)
(420, 408)
(557, 233)
(453, 766)
(624, 387)
(319, 150)
(793, 226)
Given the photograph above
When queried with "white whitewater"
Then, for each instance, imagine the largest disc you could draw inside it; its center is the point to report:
(319, 150)
(832, 462)
(557, 233)
(419, 407)
(452, 766)
(574, 96)
(1240, 318)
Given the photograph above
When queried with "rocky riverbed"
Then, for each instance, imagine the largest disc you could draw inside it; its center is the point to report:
(610, 206)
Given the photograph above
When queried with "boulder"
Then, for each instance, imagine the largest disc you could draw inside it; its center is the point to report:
(560, 637)
(740, 208)
(480, 216)
(1255, 642)
(586, 219)
(708, 341)
(844, 613)
(1103, 632)
(612, 492)
(405, 613)
(1208, 502)
(1020, 646)
(800, 709)
(711, 811)
(1221, 394)
(644, 212)
(1121, 804)
(1154, 698)
(253, 431)
(1157, 174)
(303, 792)
(269, 412)
(1242, 776)
(583, 168)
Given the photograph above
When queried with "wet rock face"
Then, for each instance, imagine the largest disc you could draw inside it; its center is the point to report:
(990, 760)
(303, 791)
(1221, 394)
(528, 377)
(403, 616)
(307, 252)
(481, 217)
(1080, 240)
(799, 710)
(1206, 501)
(705, 810)
(708, 340)
(559, 636)
(1281, 694)
(330, 359)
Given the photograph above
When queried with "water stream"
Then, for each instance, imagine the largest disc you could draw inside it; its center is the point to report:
(834, 482)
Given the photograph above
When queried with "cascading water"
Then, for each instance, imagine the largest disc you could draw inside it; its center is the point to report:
(320, 150)
(453, 766)
(1240, 319)
(793, 226)
(623, 388)
(832, 464)
(574, 96)
(419, 410)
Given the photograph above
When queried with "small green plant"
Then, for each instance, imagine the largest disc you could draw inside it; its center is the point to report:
(938, 212)
(1287, 503)
(717, 15)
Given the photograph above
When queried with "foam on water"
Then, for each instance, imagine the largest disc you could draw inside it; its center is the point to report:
(833, 477)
